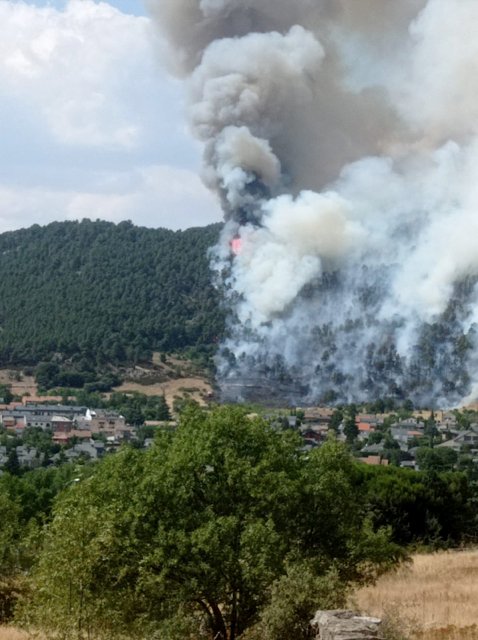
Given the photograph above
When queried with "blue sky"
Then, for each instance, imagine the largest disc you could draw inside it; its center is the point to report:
(91, 125)
(133, 7)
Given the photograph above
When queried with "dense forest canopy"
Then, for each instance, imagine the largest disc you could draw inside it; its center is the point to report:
(105, 292)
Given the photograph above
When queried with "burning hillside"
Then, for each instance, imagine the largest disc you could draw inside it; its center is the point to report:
(341, 138)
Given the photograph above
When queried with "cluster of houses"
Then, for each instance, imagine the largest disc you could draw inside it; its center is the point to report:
(84, 432)
(406, 433)
(79, 430)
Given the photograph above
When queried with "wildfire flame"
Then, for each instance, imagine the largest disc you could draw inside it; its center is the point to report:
(236, 246)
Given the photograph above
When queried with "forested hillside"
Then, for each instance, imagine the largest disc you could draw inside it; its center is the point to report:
(105, 292)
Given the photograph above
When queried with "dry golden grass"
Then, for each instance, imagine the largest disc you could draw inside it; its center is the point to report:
(10, 633)
(437, 594)
(21, 387)
(171, 389)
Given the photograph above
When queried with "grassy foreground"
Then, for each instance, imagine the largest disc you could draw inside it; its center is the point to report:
(435, 597)
(9, 633)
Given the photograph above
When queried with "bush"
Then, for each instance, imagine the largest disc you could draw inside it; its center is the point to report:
(295, 597)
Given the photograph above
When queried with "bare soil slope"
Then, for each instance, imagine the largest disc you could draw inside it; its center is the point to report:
(174, 377)
(21, 384)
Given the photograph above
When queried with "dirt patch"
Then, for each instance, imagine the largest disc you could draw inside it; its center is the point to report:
(163, 368)
(11, 633)
(174, 377)
(195, 388)
(20, 384)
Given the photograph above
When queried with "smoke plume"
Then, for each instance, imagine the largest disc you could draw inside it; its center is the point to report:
(342, 140)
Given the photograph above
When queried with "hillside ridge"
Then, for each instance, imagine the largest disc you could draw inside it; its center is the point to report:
(105, 293)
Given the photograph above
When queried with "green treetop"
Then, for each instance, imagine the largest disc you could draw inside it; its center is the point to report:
(196, 535)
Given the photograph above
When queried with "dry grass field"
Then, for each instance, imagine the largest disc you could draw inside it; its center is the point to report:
(435, 597)
(194, 388)
(18, 387)
(9, 633)
(173, 377)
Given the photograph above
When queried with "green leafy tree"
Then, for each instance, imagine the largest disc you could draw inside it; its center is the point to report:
(9, 555)
(351, 429)
(47, 375)
(336, 420)
(6, 396)
(12, 465)
(192, 534)
(431, 430)
(86, 547)
(436, 460)
(421, 508)
(294, 598)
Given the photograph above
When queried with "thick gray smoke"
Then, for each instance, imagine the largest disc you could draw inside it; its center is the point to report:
(342, 139)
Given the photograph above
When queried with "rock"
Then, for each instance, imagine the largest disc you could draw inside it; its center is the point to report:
(345, 625)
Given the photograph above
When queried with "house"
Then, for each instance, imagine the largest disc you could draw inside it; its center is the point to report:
(312, 435)
(364, 430)
(422, 415)
(318, 415)
(37, 421)
(92, 449)
(370, 418)
(29, 456)
(403, 434)
(374, 449)
(107, 422)
(13, 406)
(464, 438)
(52, 410)
(410, 423)
(409, 464)
(375, 461)
(61, 424)
(8, 420)
(63, 437)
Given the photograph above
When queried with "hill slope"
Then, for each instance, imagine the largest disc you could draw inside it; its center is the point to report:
(105, 292)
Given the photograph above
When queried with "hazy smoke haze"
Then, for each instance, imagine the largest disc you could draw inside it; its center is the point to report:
(342, 140)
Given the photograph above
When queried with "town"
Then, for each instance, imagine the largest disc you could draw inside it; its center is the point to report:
(43, 431)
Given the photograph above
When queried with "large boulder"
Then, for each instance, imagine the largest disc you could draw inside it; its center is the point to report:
(345, 625)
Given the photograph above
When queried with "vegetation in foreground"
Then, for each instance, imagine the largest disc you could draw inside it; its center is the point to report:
(226, 527)
(207, 533)
(10, 633)
(435, 596)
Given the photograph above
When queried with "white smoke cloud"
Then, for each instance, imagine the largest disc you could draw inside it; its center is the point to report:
(439, 96)
(295, 239)
(343, 140)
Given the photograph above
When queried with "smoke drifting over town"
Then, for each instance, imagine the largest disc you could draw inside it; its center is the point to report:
(342, 140)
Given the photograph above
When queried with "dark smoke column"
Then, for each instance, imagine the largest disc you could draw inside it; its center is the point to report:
(332, 258)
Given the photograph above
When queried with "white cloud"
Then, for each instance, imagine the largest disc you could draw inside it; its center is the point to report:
(154, 196)
(78, 69)
(91, 126)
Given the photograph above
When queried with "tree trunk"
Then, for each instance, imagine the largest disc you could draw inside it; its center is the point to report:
(234, 617)
(219, 631)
